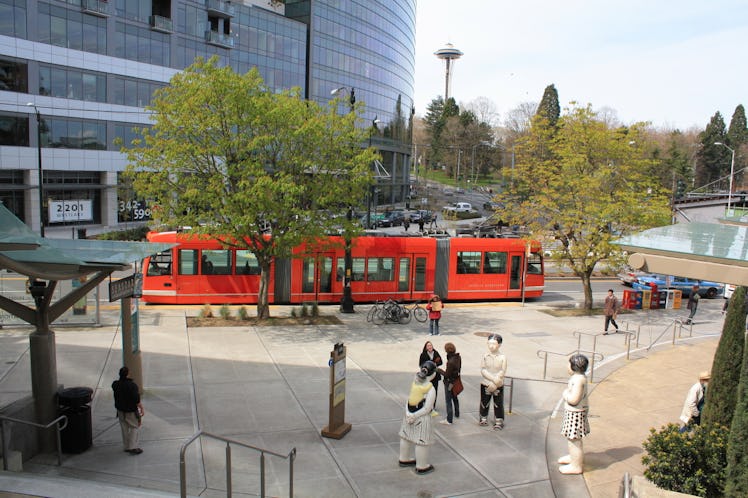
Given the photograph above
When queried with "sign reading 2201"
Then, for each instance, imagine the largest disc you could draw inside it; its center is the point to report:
(70, 210)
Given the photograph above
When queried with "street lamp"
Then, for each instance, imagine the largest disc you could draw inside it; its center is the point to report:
(374, 126)
(472, 165)
(346, 304)
(39, 156)
(732, 171)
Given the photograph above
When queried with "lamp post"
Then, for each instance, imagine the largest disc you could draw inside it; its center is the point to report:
(732, 171)
(39, 156)
(374, 126)
(346, 304)
(472, 164)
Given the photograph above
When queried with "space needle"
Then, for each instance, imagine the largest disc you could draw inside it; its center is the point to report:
(448, 54)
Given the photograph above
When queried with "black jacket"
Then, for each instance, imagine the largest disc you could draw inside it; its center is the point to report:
(454, 365)
(126, 395)
(437, 359)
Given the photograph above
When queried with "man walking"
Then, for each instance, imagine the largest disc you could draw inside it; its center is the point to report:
(693, 303)
(129, 410)
(611, 311)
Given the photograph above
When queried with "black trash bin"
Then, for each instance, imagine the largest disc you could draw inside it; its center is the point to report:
(77, 436)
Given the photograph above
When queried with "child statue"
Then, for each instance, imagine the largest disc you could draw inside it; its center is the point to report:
(575, 425)
(492, 371)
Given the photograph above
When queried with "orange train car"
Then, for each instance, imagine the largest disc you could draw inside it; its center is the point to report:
(407, 268)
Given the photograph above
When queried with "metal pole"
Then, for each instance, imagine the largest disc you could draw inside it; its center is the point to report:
(39, 157)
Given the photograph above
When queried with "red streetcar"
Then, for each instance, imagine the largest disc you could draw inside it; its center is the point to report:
(200, 271)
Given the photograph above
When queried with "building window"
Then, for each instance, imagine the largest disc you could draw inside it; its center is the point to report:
(73, 133)
(13, 18)
(14, 130)
(71, 83)
(141, 44)
(71, 29)
(133, 92)
(14, 76)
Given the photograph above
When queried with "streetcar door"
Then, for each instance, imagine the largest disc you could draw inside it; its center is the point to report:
(318, 279)
(411, 277)
(515, 277)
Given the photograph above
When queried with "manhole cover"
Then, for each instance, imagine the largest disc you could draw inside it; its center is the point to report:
(482, 334)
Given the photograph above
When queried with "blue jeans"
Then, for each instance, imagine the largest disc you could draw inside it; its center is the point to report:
(434, 327)
(451, 400)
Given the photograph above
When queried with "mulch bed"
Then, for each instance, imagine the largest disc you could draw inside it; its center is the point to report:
(280, 321)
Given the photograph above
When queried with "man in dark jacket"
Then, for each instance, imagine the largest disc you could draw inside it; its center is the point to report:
(129, 410)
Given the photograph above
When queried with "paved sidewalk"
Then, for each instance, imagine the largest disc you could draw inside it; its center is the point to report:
(268, 387)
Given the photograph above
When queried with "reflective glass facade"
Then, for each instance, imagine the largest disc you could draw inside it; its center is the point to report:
(90, 67)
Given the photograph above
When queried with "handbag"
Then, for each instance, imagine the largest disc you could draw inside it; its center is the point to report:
(457, 386)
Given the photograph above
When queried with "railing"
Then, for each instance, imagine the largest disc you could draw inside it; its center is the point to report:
(677, 326)
(624, 489)
(6, 445)
(183, 468)
(595, 357)
(96, 7)
(160, 23)
(216, 38)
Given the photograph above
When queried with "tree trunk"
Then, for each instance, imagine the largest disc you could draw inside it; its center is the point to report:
(587, 286)
(263, 309)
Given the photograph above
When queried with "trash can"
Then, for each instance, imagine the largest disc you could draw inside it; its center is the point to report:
(77, 436)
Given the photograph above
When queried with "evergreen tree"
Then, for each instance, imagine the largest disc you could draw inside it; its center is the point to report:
(737, 138)
(721, 395)
(737, 452)
(438, 113)
(710, 160)
(549, 107)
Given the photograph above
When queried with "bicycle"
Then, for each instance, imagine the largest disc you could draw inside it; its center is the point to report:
(420, 312)
(391, 311)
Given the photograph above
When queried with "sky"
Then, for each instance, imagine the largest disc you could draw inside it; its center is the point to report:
(673, 63)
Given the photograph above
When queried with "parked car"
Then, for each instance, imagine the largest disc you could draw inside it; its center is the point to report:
(421, 214)
(706, 288)
(458, 207)
(492, 206)
(629, 276)
(392, 219)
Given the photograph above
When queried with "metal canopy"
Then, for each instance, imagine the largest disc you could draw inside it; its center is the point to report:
(706, 251)
(23, 251)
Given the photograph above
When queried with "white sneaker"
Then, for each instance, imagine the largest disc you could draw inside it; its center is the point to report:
(445, 422)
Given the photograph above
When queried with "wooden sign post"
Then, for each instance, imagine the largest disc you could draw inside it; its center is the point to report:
(337, 427)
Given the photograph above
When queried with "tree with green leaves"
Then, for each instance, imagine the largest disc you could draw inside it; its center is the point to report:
(589, 187)
(712, 161)
(438, 113)
(721, 395)
(549, 107)
(737, 452)
(737, 139)
(258, 170)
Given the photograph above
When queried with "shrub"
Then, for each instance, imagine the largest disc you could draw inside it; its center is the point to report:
(315, 309)
(138, 233)
(242, 314)
(690, 462)
(293, 313)
(225, 312)
(304, 311)
(206, 312)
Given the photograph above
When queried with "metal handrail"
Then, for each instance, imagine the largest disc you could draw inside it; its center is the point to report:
(6, 444)
(624, 489)
(183, 468)
(595, 356)
(677, 325)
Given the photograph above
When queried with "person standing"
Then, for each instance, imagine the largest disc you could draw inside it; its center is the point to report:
(611, 311)
(576, 424)
(433, 221)
(451, 374)
(434, 307)
(421, 223)
(492, 370)
(129, 410)
(431, 354)
(693, 303)
(691, 413)
(406, 223)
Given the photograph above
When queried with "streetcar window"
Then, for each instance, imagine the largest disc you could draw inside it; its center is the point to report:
(404, 276)
(468, 262)
(160, 264)
(359, 269)
(216, 262)
(420, 278)
(188, 261)
(246, 263)
(381, 270)
(340, 272)
(307, 277)
(494, 262)
(535, 264)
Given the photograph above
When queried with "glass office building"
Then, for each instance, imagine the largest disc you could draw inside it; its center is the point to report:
(76, 74)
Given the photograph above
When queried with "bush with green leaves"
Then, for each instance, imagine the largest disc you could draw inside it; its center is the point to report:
(692, 462)
(304, 311)
(242, 314)
(225, 312)
(315, 309)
